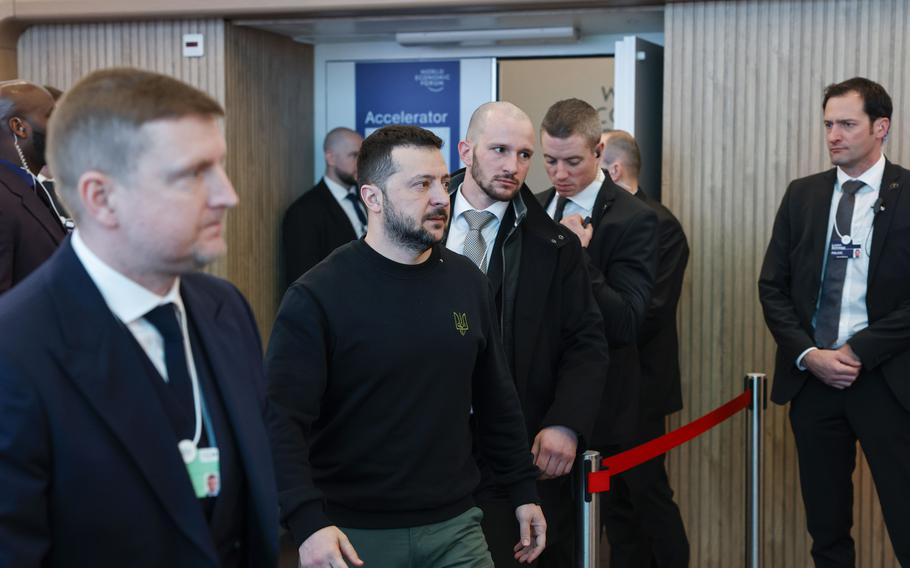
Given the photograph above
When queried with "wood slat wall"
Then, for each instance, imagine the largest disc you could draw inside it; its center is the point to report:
(742, 117)
(270, 141)
(264, 82)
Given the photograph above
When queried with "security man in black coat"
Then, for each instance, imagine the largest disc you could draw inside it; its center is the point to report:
(551, 327)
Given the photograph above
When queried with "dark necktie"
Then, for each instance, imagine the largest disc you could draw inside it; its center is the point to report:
(164, 318)
(560, 208)
(358, 207)
(475, 246)
(827, 319)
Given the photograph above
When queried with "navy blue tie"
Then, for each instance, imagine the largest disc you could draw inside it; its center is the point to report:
(358, 207)
(164, 318)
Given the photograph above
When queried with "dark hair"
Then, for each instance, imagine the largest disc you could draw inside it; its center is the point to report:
(572, 116)
(375, 164)
(876, 101)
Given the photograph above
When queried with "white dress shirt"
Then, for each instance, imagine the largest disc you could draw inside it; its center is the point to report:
(853, 314)
(339, 192)
(458, 229)
(129, 302)
(582, 202)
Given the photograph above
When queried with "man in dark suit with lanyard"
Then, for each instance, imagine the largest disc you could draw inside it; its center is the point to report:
(654, 533)
(329, 215)
(30, 228)
(619, 233)
(551, 326)
(834, 291)
(127, 379)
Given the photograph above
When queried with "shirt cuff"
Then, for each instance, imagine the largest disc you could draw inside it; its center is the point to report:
(799, 360)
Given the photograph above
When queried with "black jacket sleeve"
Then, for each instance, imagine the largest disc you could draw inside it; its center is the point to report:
(502, 436)
(622, 287)
(583, 353)
(775, 286)
(297, 370)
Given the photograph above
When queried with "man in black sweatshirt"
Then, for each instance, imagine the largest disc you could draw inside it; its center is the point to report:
(378, 358)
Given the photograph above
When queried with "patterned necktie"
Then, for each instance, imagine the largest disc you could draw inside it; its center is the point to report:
(164, 318)
(358, 207)
(475, 247)
(560, 208)
(827, 319)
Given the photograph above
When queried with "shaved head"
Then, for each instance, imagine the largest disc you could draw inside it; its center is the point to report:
(620, 146)
(341, 147)
(19, 97)
(497, 151)
(338, 136)
(24, 112)
(494, 111)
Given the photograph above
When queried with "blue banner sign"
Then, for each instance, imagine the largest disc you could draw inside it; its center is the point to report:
(423, 93)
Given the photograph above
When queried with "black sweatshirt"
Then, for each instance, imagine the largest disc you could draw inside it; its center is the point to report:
(374, 368)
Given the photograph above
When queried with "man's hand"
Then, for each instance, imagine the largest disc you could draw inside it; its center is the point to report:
(577, 225)
(554, 451)
(328, 548)
(836, 368)
(532, 529)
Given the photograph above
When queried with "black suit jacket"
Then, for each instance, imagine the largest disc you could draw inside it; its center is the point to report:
(558, 352)
(658, 339)
(314, 225)
(29, 230)
(791, 277)
(91, 473)
(622, 261)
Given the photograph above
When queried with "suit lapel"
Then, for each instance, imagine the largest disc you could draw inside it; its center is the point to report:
(816, 215)
(889, 193)
(604, 201)
(235, 375)
(105, 365)
(33, 205)
(339, 217)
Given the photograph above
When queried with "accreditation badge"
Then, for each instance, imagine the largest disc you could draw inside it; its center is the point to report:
(205, 472)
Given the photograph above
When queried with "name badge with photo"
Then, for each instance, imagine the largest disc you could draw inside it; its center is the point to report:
(849, 251)
(205, 472)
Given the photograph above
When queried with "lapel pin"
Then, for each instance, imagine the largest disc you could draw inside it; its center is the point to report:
(894, 185)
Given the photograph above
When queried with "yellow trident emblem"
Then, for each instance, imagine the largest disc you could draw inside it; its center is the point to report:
(461, 322)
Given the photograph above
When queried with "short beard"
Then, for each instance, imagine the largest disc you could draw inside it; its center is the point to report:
(401, 229)
(346, 178)
(487, 188)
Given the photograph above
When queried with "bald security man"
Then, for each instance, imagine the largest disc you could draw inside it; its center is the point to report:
(329, 215)
(30, 230)
(551, 326)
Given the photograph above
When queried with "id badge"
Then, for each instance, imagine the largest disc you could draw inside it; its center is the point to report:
(205, 473)
(848, 251)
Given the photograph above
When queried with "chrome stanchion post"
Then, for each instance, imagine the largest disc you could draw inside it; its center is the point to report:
(757, 405)
(588, 513)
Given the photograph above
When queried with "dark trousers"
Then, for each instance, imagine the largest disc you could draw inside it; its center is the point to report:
(827, 423)
(642, 521)
(500, 527)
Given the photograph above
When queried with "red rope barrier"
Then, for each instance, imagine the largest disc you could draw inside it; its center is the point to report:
(599, 481)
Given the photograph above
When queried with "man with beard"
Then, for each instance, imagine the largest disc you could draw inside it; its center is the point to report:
(551, 327)
(30, 230)
(378, 359)
(329, 215)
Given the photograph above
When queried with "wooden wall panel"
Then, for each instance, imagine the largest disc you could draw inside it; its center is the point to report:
(264, 82)
(742, 117)
(270, 144)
